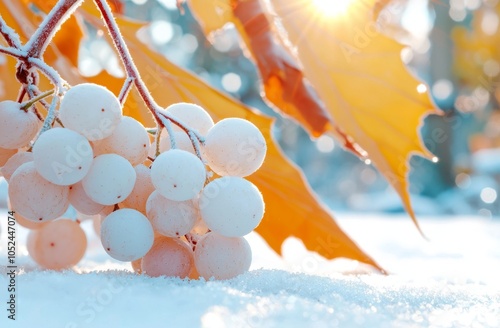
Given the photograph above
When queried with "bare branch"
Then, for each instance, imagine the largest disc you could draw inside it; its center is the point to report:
(127, 85)
(14, 52)
(21, 94)
(9, 34)
(43, 35)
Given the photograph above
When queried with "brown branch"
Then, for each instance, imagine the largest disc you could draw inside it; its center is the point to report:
(9, 34)
(56, 17)
(14, 52)
(127, 85)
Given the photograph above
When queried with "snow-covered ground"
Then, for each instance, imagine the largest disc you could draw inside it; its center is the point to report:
(450, 281)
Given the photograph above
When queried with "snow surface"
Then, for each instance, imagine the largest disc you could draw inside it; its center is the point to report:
(449, 281)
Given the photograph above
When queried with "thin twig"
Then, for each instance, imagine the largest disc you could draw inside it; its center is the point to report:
(9, 34)
(14, 52)
(127, 85)
(33, 91)
(157, 140)
(170, 130)
(152, 131)
(26, 105)
(162, 112)
(58, 120)
(194, 140)
(39, 41)
(21, 94)
(51, 115)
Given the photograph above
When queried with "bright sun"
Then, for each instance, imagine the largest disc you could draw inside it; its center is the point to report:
(332, 8)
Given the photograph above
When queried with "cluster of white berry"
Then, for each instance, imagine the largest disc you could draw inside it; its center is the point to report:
(167, 214)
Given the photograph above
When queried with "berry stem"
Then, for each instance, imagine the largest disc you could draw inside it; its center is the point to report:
(157, 140)
(196, 144)
(60, 122)
(21, 94)
(127, 85)
(26, 105)
(152, 131)
(51, 115)
(39, 41)
(170, 130)
(33, 91)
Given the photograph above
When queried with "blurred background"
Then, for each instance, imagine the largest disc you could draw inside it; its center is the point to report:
(452, 46)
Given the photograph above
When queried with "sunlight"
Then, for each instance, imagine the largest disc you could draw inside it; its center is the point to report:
(332, 8)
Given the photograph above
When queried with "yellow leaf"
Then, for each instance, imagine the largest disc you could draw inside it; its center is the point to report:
(68, 39)
(356, 70)
(359, 74)
(8, 83)
(475, 47)
(291, 207)
(284, 84)
(212, 14)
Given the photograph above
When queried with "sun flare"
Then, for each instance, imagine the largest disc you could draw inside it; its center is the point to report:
(332, 8)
